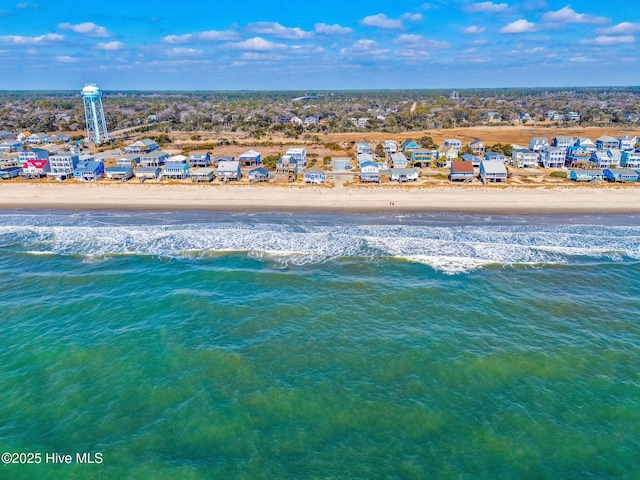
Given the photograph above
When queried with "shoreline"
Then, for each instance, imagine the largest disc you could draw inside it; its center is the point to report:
(498, 200)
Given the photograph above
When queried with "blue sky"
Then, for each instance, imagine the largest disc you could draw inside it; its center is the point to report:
(313, 45)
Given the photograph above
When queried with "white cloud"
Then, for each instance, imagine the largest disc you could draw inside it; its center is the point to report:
(486, 7)
(364, 46)
(210, 35)
(473, 30)
(381, 21)
(580, 59)
(184, 52)
(111, 46)
(87, 28)
(279, 31)
(20, 40)
(607, 40)
(413, 17)
(412, 53)
(519, 26)
(568, 15)
(66, 59)
(25, 5)
(257, 44)
(334, 29)
(419, 41)
(621, 28)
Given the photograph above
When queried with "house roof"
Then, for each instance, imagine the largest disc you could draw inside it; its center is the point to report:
(315, 171)
(155, 154)
(250, 154)
(229, 166)
(37, 163)
(259, 171)
(203, 171)
(491, 166)
(607, 138)
(88, 165)
(395, 157)
(564, 139)
(402, 171)
(461, 166)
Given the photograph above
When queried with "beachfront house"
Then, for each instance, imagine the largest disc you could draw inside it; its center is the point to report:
(10, 160)
(461, 171)
(627, 142)
(494, 157)
(369, 172)
(129, 160)
(35, 168)
(606, 159)
(562, 142)
(297, 154)
(10, 172)
(250, 158)
(362, 147)
(229, 171)
(390, 146)
(88, 171)
(203, 175)
(454, 143)
(119, 173)
(445, 156)
(423, 157)
(553, 157)
(33, 154)
(315, 176)
(175, 170)
(578, 175)
(478, 146)
(474, 159)
(287, 169)
(142, 146)
(364, 157)
(606, 142)
(620, 175)
(537, 144)
(259, 174)
(587, 144)
(492, 171)
(199, 158)
(398, 160)
(155, 158)
(524, 158)
(630, 159)
(577, 155)
(62, 165)
(10, 146)
(148, 173)
(409, 146)
(403, 175)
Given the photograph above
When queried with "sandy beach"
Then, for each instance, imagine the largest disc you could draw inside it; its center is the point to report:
(578, 199)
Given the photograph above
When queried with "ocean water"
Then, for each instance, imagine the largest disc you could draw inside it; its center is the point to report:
(320, 346)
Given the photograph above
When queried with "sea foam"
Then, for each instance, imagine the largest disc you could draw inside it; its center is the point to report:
(450, 248)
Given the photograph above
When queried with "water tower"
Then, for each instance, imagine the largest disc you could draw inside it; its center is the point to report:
(94, 114)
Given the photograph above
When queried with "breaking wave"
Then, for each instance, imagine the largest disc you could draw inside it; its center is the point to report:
(448, 247)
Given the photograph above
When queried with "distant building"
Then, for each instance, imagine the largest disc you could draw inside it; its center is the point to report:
(390, 146)
(155, 158)
(478, 146)
(606, 142)
(199, 158)
(630, 159)
(553, 157)
(250, 158)
(538, 143)
(315, 176)
(362, 147)
(62, 165)
(627, 142)
(453, 143)
(228, 171)
(606, 159)
(142, 146)
(461, 171)
(298, 154)
(89, 171)
(409, 146)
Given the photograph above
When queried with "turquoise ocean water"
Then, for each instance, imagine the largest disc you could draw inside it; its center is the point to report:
(320, 346)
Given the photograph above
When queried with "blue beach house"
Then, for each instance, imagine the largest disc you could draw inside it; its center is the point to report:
(89, 171)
